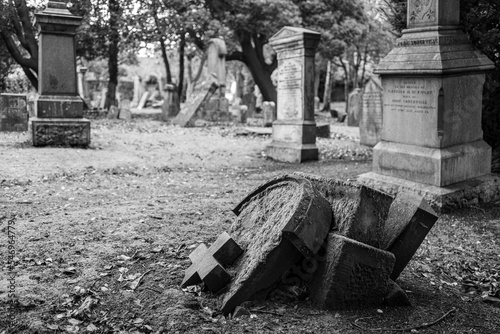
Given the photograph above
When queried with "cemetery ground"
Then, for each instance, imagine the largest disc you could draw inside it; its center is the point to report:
(102, 237)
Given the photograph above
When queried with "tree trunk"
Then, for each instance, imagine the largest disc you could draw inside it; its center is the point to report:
(327, 96)
(261, 72)
(182, 49)
(363, 71)
(114, 39)
(165, 61)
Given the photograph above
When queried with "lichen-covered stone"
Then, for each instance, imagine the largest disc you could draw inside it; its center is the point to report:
(278, 223)
(353, 275)
(359, 212)
(60, 132)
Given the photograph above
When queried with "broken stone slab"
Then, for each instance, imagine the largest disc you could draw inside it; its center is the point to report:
(410, 219)
(195, 104)
(208, 263)
(396, 296)
(307, 236)
(353, 275)
(359, 212)
(278, 223)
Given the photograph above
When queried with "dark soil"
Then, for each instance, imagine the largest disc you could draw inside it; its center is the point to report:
(102, 238)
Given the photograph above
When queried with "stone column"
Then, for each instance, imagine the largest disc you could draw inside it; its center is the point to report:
(294, 131)
(216, 65)
(59, 109)
(432, 103)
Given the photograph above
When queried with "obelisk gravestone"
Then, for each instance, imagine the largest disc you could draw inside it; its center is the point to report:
(294, 131)
(432, 82)
(59, 109)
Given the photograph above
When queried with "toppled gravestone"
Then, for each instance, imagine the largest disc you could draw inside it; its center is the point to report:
(353, 275)
(278, 223)
(366, 237)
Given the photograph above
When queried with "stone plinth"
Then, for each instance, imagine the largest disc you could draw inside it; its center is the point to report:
(432, 82)
(294, 131)
(58, 108)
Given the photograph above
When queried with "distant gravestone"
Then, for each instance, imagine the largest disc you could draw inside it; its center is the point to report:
(171, 105)
(269, 113)
(316, 104)
(294, 131)
(13, 113)
(143, 100)
(370, 125)
(191, 108)
(250, 101)
(113, 112)
(125, 110)
(355, 105)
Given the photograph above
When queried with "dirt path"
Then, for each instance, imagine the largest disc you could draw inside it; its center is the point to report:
(146, 193)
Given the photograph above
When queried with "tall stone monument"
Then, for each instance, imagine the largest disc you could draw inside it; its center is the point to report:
(58, 108)
(294, 131)
(432, 103)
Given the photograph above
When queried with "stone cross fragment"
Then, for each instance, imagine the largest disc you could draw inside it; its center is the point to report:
(410, 219)
(208, 263)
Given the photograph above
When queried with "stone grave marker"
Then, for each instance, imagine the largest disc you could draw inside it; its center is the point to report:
(250, 101)
(113, 112)
(13, 113)
(294, 131)
(433, 86)
(196, 103)
(143, 100)
(355, 107)
(370, 125)
(316, 104)
(353, 275)
(59, 109)
(409, 220)
(277, 224)
(171, 105)
(125, 112)
(83, 88)
(269, 112)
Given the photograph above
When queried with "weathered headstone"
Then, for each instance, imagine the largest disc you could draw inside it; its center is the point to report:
(370, 125)
(59, 110)
(355, 108)
(409, 220)
(353, 275)
(113, 112)
(294, 131)
(125, 112)
(102, 101)
(250, 101)
(83, 89)
(316, 104)
(13, 113)
(186, 116)
(208, 263)
(277, 223)
(323, 130)
(269, 112)
(143, 100)
(137, 91)
(433, 83)
(171, 105)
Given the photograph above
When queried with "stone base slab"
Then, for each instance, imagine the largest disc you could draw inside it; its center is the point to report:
(434, 166)
(60, 132)
(291, 152)
(482, 189)
(55, 106)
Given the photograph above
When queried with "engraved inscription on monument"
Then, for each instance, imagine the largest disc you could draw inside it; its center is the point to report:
(410, 96)
(422, 12)
(290, 89)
